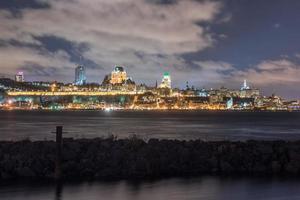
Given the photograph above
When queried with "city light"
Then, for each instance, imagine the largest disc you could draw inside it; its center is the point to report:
(119, 92)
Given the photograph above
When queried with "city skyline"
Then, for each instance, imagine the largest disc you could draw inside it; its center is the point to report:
(119, 91)
(81, 80)
(217, 43)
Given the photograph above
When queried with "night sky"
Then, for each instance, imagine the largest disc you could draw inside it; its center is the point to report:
(208, 43)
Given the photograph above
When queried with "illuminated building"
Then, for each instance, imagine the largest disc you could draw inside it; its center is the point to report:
(245, 86)
(19, 77)
(118, 80)
(40, 83)
(229, 103)
(202, 93)
(166, 81)
(118, 91)
(247, 92)
(118, 75)
(80, 78)
(2, 97)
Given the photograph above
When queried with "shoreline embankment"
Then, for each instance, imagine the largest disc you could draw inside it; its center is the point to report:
(134, 158)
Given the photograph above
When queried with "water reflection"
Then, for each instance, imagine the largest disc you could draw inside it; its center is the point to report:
(203, 188)
(58, 191)
(36, 125)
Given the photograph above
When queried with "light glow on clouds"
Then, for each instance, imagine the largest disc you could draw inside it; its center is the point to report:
(147, 36)
(115, 32)
(272, 72)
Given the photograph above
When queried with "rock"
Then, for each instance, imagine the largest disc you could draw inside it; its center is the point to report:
(134, 158)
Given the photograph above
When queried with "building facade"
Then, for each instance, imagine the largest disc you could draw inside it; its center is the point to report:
(80, 77)
(19, 77)
(118, 75)
(166, 81)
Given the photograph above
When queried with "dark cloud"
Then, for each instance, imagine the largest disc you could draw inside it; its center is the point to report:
(34, 69)
(16, 43)
(16, 6)
(21, 4)
(250, 34)
(162, 2)
(3, 43)
(75, 50)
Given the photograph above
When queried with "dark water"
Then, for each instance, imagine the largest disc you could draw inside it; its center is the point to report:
(37, 125)
(205, 188)
(16, 125)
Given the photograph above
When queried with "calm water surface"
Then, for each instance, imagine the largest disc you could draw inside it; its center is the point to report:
(205, 188)
(37, 125)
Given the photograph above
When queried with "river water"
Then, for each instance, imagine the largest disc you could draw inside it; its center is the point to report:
(38, 125)
(203, 188)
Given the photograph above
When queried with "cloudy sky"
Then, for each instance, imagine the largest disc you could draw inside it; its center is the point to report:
(210, 43)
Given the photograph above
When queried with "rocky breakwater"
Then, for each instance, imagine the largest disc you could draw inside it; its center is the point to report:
(134, 158)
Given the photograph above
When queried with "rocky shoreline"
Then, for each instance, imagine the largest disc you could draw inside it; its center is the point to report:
(134, 158)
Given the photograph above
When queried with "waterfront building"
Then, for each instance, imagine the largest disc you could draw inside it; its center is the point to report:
(80, 77)
(118, 75)
(202, 93)
(249, 93)
(40, 83)
(19, 77)
(118, 80)
(229, 103)
(166, 81)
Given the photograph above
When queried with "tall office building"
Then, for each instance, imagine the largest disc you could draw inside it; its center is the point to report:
(80, 78)
(248, 92)
(166, 81)
(19, 77)
(245, 86)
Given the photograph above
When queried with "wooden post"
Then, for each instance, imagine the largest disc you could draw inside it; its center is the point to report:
(59, 132)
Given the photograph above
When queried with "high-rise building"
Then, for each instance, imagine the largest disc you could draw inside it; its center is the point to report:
(245, 86)
(118, 75)
(80, 78)
(248, 92)
(19, 77)
(166, 81)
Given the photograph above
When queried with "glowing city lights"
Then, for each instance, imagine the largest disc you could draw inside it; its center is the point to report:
(117, 92)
